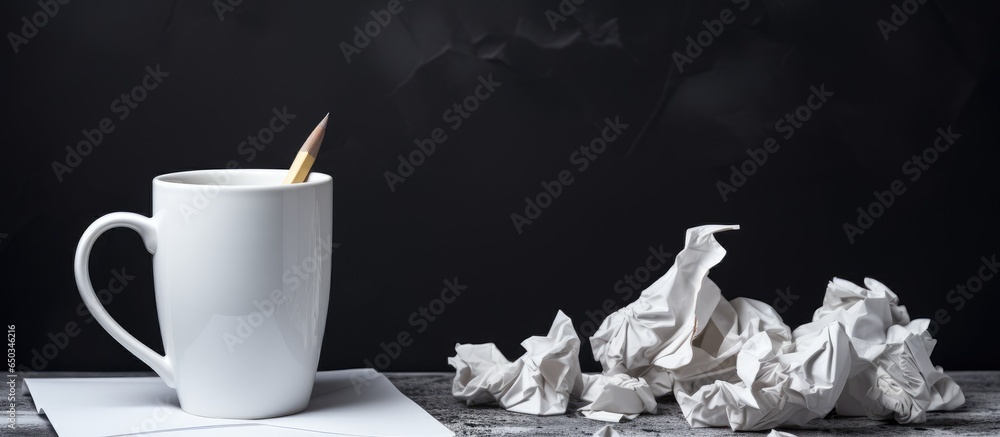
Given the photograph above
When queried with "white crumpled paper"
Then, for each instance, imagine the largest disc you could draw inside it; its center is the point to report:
(728, 362)
(606, 431)
(894, 376)
(537, 383)
(543, 380)
(614, 397)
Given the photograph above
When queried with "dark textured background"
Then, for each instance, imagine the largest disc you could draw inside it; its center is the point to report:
(451, 218)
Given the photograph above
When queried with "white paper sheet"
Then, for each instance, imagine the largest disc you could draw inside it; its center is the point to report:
(730, 363)
(340, 405)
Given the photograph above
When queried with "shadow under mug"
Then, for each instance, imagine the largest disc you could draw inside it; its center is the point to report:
(241, 272)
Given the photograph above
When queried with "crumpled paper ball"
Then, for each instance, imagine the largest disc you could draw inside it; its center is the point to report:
(731, 363)
(615, 397)
(539, 382)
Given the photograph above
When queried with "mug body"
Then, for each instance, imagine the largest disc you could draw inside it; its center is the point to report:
(242, 277)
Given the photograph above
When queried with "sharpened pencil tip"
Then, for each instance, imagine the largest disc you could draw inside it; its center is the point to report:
(311, 146)
(307, 154)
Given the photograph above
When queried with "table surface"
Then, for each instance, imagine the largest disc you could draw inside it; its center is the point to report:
(979, 416)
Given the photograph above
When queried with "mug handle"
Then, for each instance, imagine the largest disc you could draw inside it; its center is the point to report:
(146, 227)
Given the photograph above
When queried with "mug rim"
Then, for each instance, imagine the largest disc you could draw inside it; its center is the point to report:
(314, 179)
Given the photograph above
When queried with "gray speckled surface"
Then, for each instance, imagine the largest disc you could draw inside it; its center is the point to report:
(979, 416)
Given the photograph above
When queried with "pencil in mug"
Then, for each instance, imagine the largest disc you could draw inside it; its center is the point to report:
(307, 154)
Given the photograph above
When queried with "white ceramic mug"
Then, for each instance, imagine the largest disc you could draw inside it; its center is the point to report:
(241, 271)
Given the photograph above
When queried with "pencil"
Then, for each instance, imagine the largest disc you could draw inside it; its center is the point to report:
(307, 154)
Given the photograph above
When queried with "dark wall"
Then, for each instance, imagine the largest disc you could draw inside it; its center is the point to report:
(557, 78)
